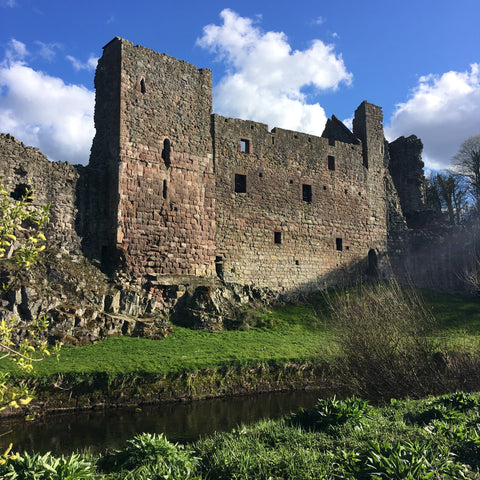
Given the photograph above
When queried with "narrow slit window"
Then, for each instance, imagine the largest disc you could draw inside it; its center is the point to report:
(331, 162)
(277, 238)
(240, 183)
(244, 146)
(307, 193)
(166, 152)
(164, 190)
(339, 244)
(143, 88)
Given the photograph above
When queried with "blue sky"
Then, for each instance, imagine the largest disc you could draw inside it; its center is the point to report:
(288, 64)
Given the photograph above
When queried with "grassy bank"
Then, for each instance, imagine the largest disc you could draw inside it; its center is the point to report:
(436, 437)
(289, 346)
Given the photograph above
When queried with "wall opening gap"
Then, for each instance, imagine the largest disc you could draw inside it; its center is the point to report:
(244, 146)
(307, 193)
(166, 152)
(240, 183)
(164, 190)
(277, 238)
(339, 244)
(331, 162)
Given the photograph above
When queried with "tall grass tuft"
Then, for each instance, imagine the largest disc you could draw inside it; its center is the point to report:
(385, 349)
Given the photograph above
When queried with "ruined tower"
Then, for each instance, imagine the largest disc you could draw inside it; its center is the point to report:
(152, 164)
(177, 193)
(368, 127)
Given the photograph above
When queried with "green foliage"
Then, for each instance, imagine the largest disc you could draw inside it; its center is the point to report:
(393, 442)
(330, 413)
(20, 244)
(20, 228)
(150, 456)
(47, 467)
(409, 460)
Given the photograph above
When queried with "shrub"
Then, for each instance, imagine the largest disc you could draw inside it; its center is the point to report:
(384, 348)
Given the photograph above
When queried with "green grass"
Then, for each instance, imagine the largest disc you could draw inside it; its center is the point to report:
(430, 438)
(295, 333)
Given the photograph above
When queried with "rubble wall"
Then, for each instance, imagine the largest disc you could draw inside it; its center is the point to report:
(57, 183)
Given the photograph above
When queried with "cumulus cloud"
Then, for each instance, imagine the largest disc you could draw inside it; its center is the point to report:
(265, 77)
(443, 111)
(90, 64)
(43, 111)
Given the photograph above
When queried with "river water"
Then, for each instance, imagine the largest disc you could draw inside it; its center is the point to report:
(180, 422)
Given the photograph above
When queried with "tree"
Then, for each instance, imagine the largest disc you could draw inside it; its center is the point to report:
(446, 197)
(467, 164)
(21, 241)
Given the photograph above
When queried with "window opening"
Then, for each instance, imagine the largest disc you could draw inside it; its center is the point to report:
(273, 140)
(245, 146)
(260, 174)
(277, 238)
(331, 141)
(372, 263)
(143, 88)
(331, 162)
(166, 152)
(339, 244)
(164, 191)
(240, 183)
(307, 193)
(219, 267)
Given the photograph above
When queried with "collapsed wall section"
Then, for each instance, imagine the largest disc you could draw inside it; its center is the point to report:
(293, 210)
(57, 183)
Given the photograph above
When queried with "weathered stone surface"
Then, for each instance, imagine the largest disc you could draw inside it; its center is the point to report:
(178, 203)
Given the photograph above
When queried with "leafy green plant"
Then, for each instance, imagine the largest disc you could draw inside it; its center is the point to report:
(46, 467)
(409, 460)
(151, 456)
(21, 242)
(328, 414)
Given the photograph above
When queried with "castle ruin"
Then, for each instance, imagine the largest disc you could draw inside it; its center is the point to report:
(175, 195)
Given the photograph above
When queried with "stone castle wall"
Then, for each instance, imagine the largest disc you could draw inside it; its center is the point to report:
(55, 183)
(173, 193)
(160, 172)
(299, 220)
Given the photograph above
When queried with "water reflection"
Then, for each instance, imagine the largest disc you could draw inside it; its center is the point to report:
(180, 422)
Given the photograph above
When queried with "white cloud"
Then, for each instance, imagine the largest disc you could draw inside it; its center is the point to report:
(47, 50)
(43, 111)
(443, 111)
(90, 64)
(319, 20)
(9, 3)
(265, 77)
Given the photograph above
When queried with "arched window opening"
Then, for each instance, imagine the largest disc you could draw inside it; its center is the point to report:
(166, 152)
(372, 269)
